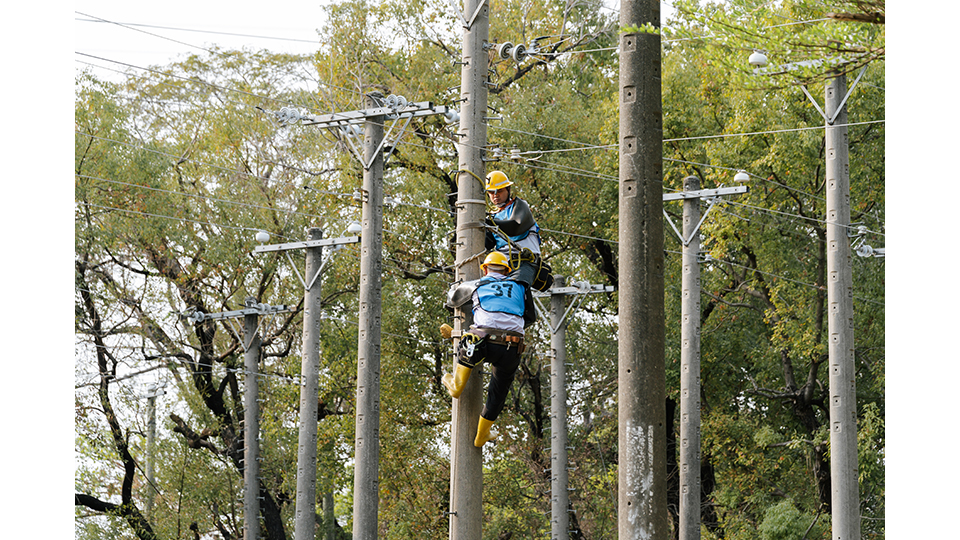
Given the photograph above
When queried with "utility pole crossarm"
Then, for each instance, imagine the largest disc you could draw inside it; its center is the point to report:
(307, 244)
(392, 107)
(252, 309)
(704, 193)
(586, 289)
(412, 110)
(709, 194)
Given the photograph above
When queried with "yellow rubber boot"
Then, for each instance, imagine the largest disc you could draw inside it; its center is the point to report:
(455, 383)
(483, 432)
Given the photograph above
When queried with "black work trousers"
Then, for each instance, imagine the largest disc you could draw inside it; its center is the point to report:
(503, 362)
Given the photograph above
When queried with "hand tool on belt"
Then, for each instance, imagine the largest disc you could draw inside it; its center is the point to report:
(500, 337)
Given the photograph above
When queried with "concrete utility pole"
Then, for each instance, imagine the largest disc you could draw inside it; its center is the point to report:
(642, 437)
(366, 480)
(251, 407)
(845, 496)
(559, 476)
(330, 529)
(559, 472)
(306, 503)
(845, 489)
(305, 517)
(466, 472)
(690, 369)
(251, 427)
(690, 347)
(153, 391)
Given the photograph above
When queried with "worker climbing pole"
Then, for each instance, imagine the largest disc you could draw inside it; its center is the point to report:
(513, 230)
(501, 303)
(502, 308)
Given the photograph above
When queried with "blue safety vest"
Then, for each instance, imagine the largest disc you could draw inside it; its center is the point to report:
(500, 295)
(506, 214)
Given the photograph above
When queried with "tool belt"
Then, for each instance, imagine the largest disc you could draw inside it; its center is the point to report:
(501, 337)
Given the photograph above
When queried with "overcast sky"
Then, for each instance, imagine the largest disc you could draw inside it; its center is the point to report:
(149, 34)
(145, 34)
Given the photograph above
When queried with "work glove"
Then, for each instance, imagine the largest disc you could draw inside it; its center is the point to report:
(446, 331)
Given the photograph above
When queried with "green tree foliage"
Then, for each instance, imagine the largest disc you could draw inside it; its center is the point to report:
(805, 41)
(176, 169)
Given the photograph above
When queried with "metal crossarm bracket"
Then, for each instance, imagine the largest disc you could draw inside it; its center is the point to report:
(343, 119)
(709, 194)
(307, 244)
(253, 308)
(704, 193)
(258, 309)
(581, 289)
(832, 119)
(285, 248)
(459, 12)
(475, 13)
(785, 68)
(574, 290)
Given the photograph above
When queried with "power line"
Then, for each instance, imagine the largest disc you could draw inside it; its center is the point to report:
(770, 132)
(777, 276)
(194, 80)
(187, 159)
(162, 216)
(752, 175)
(211, 51)
(122, 25)
(212, 85)
(206, 197)
(584, 146)
(181, 29)
(542, 136)
(560, 169)
(795, 216)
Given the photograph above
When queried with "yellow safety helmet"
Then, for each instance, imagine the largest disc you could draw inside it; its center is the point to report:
(496, 258)
(497, 180)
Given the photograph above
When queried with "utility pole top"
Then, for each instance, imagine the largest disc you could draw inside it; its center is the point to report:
(155, 390)
(253, 308)
(558, 290)
(396, 110)
(307, 244)
(576, 287)
(704, 193)
(315, 242)
(349, 123)
(710, 195)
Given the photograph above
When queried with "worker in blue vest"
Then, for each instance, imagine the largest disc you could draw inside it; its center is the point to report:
(512, 215)
(501, 309)
(512, 218)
